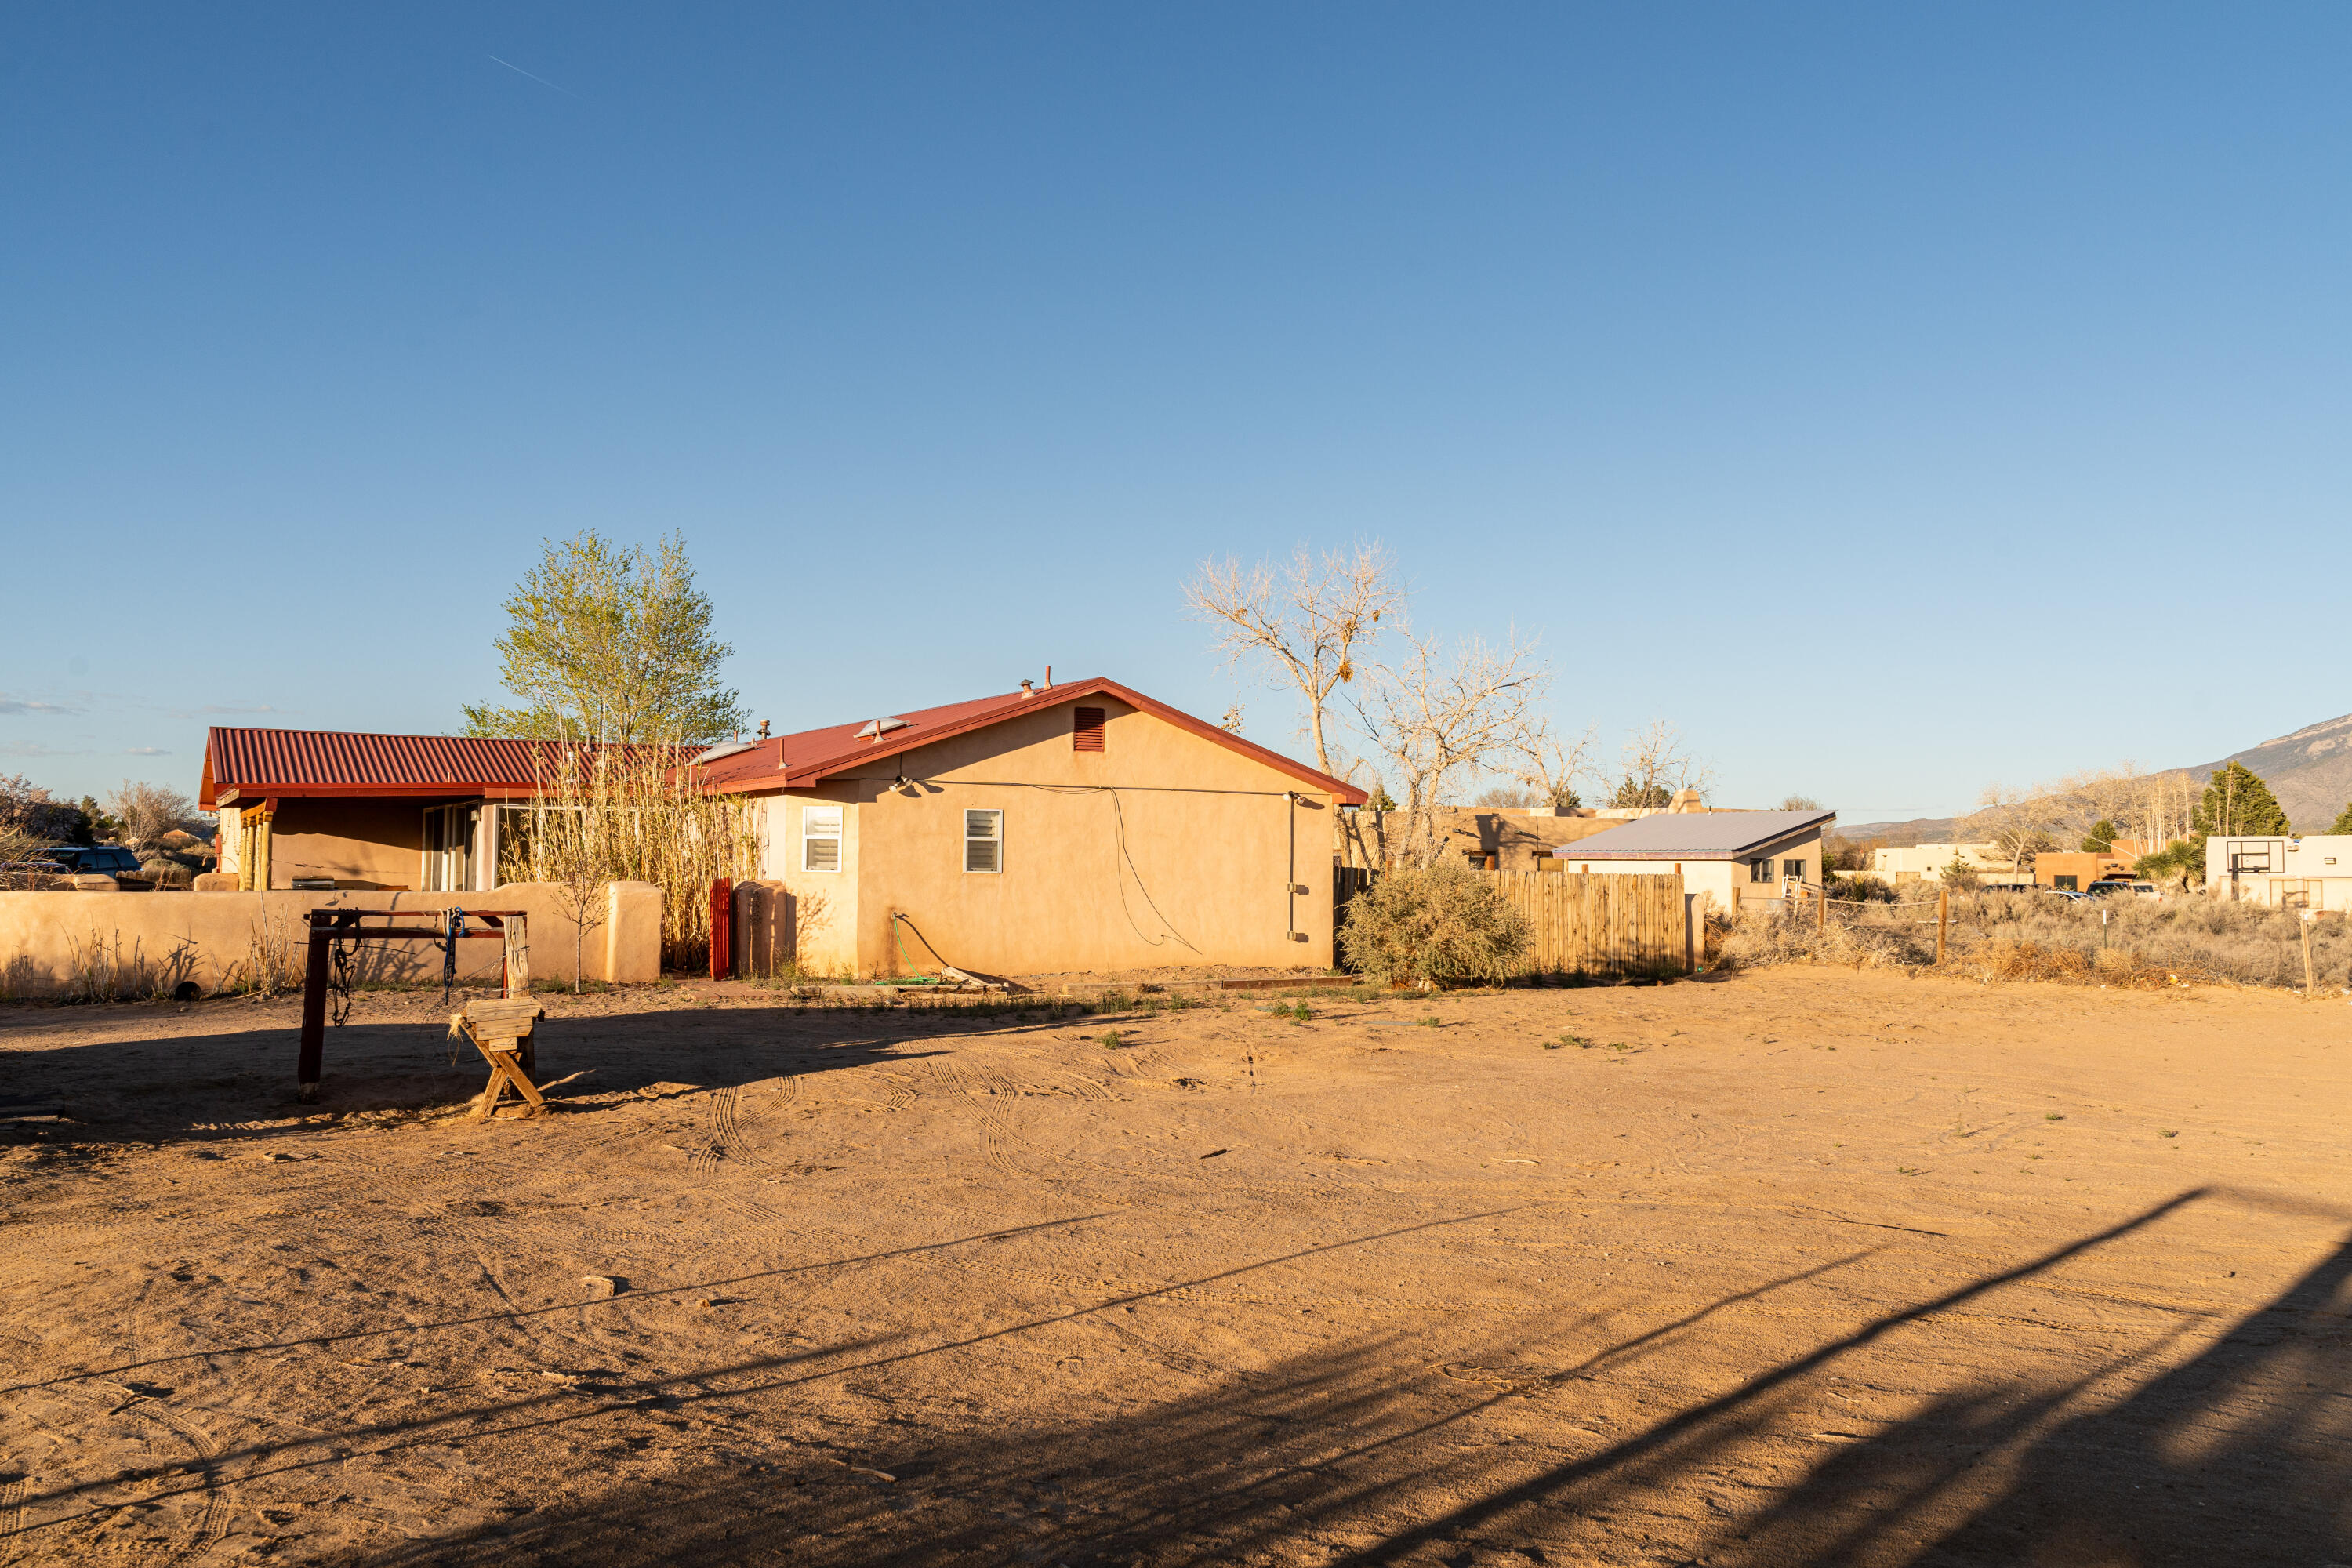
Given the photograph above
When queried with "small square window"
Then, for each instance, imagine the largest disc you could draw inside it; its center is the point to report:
(2065, 884)
(1793, 869)
(984, 841)
(820, 838)
(1760, 871)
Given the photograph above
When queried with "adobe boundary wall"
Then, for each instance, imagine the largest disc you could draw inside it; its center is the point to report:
(60, 946)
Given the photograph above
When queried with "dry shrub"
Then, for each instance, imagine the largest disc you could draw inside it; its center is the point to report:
(1436, 926)
(2036, 936)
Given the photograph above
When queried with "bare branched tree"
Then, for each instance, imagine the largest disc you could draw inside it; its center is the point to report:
(1435, 719)
(2156, 809)
(1550, 763)
(147, 811)
(1306, 625)
(1656, 764)
(2021, 822)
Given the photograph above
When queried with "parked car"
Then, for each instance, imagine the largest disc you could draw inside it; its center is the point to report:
(2069, 894)
(92, 860)
(2112, 887)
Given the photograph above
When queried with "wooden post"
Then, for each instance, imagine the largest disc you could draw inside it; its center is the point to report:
(1821, 907)
(722, 928)
(518, 956)
(314, 1009)
(1943, 919)
(2310, 985)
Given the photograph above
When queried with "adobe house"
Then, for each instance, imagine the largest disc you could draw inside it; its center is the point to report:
(1738, 857)
(1078, 827)
(400, 812)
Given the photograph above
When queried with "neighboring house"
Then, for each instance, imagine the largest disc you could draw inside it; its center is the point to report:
(2313, 872)
(1928, 861)
(1507, 839)
(2075, 870)
(1738, 857)
(1078, 827)
(402, 813)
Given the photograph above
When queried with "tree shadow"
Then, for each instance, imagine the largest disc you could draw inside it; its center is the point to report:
(135, 1088)
(2241, 1455)
(2236, 1456)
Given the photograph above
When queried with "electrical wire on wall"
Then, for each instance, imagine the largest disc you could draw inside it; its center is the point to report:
(1125, 868)
(1126, 859)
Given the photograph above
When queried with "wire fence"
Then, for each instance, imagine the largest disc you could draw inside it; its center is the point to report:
(2134, 942)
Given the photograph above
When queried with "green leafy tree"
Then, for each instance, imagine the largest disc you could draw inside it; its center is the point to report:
(2343, 823)
(608, 644)
(2237, 801)
(2101, 840)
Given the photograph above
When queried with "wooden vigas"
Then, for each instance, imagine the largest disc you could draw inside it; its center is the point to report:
(502, 1031)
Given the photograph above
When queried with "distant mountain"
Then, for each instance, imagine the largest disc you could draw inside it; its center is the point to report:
(2309, 771)
(1903, 835)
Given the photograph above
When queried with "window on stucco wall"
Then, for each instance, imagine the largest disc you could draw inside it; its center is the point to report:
(984, 841)
(820, 838)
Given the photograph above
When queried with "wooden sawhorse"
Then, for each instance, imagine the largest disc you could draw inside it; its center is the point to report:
(500, 1030)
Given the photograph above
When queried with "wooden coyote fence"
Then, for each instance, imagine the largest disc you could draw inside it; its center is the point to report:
(1607, 924)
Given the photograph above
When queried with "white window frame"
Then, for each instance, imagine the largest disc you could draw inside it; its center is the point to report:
(822, 817)
(995, 839)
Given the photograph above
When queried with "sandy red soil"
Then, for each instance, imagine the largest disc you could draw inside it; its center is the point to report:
(1795, 1266)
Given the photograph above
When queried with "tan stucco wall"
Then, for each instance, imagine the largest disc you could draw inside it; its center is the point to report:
(1205, 854)
(46, 938)
(379, 841)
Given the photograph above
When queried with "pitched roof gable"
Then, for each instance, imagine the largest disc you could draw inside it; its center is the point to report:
(801, 760)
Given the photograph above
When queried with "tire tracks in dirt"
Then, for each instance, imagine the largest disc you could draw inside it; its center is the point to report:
(211, 1522)
(997, 1137)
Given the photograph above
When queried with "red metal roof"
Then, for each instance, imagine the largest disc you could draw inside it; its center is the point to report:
(298, 763)
(798, 760)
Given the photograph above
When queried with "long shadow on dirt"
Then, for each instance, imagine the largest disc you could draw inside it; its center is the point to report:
(2236, 1456)
(240, 1082)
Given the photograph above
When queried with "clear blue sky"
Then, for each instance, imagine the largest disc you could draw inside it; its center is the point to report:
(1895, 397)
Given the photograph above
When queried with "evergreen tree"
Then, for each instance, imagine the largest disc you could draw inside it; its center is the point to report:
(2343, 823)
(1632, 795)
(2101, 840)
(2238, 802)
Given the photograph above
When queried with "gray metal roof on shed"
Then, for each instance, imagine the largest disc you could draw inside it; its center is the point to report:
(1695, 835)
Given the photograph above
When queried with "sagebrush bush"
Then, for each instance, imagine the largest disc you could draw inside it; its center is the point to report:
(1441, 926)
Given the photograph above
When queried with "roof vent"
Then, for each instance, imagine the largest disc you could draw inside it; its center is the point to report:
(1086, 729)
(877, 728)
(725, 749)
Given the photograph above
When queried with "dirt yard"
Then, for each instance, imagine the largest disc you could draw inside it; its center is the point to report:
(1795, 1266)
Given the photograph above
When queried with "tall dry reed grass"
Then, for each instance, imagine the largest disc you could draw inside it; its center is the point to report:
(621, 814)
